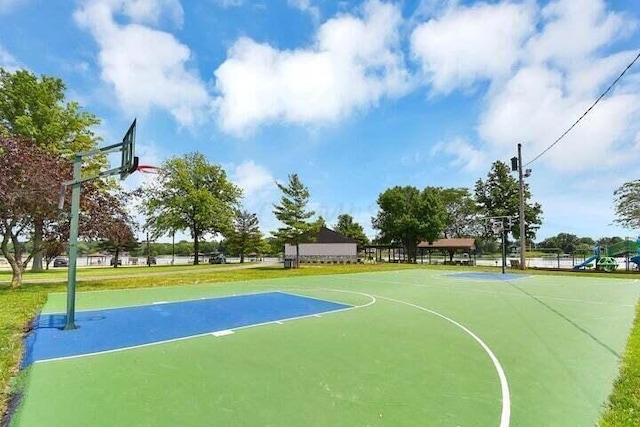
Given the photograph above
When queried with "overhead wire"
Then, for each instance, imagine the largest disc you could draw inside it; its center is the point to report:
(586, 112)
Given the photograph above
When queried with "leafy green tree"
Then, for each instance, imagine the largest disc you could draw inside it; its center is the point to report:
(408, 216)
(349, 228)
(627, 204)
(190, 194)
(245, 235)
(609, 241)
(34, 108)
(462, 217)
(273, 246)
(292, 212)
(499, 196)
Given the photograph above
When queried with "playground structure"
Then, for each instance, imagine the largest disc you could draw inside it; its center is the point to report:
(604, 259)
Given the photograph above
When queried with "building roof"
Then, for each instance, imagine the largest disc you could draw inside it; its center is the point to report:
(326, 235)
(450, 244)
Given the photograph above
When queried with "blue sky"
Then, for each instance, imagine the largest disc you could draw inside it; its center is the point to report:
(356, 97)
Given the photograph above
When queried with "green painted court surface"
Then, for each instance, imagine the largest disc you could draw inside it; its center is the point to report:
(416, 350)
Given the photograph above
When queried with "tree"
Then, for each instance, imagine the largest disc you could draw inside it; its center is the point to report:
(462, 218)
(627, 205)
(29, 182)
(35, 109)
(408, 216)
(30, 186)
(349, 228)
(292, 212)
(499, 196)
(245, 235)
(190, 194)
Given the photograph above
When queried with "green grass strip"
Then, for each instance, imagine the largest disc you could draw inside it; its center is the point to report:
(624, 403)
(17, 308)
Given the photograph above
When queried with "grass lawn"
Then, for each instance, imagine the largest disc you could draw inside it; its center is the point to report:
(18, 307)
(92, 272)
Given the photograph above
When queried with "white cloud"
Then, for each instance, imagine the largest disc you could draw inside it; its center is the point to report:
(466, 44)
(463, 155)
(151, 11)
(306, 6)
(255, 180)
(545, 68)
(8, 61)
(354, 63)
(147, 68)
(562, 76)
(573, 30)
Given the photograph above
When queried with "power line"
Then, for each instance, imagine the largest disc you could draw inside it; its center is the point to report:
(585, 113)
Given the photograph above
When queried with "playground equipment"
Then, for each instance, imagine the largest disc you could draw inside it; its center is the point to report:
(605, 260)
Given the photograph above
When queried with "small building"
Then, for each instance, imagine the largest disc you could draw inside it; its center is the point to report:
(327, 246)
(96, 259)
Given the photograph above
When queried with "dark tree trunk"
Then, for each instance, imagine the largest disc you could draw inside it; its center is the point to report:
(196, 249)
(297, 255)
(14, 259)
(241, 256)
(37, 245)
(116, 259)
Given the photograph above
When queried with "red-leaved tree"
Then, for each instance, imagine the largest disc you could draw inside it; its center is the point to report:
(30, 180)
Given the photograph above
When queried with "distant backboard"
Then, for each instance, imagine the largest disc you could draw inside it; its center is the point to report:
(129, 160)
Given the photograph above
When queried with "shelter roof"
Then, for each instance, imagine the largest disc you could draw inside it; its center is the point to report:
(326, 235)
(466, 243)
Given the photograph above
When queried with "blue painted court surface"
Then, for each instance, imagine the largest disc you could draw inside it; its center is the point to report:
(112, 329)
(489, 276)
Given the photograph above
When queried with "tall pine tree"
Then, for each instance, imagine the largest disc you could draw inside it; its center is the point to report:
(292, 212)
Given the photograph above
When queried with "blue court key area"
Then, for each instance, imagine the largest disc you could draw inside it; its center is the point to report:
(489, 276)
(112, 329)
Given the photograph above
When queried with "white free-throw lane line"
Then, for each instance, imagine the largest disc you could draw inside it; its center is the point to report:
(504, 385)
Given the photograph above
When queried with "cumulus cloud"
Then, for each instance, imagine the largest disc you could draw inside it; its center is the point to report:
(146, 67)
(562, 75)
(151, 11)
(545, 67)
(354, 62)
(467, 44)
(573, 30)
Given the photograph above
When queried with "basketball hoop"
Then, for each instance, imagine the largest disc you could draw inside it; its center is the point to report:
(148, 169)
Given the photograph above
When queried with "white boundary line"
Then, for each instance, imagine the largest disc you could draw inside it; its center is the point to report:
(504, 385)
(152, 303)
(279, 321)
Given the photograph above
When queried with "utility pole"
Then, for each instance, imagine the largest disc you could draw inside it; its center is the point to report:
(516, 165)
(523, 237)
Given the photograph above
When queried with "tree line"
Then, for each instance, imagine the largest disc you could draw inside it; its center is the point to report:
(40, 129)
